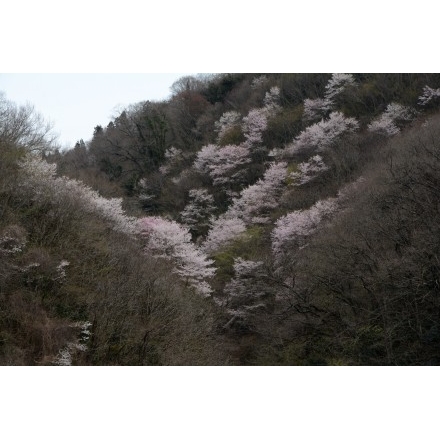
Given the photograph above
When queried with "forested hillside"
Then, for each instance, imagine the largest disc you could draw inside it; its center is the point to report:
(250, 219)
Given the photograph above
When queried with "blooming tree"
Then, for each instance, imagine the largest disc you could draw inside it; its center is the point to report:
(145, 193)
(12, 240)
(259, 81)
(253, 126)
(199, 210)
(383, 125)
(67, 354)
(308, 170)
(292, 229)
(222, 164)
(164, 238)
(387, 123)
(429, 95)
(255, 201)
(399, 112)
(227, 121)
(321, 135)
(170, 240)
(246, 291)
(337, 84)
(61, 270)
(39, 178)
(272, 101)
(224, 230)
(255, 123)
(316, 109)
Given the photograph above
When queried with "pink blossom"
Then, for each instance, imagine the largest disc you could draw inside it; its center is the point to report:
(253, 126)
(272, 101)
(429, 95)
(39, 178)
(291, 230)
(386, 123)
(337, 84)
(315, 109)
(308, 170)
(323, 134)
(224, 230)
(256, 200)
(227, 121)
(247, 289)
(169, 240)
(222, 164)
(199, 209)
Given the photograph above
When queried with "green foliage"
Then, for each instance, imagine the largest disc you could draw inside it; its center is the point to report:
(234, 136)
(291, 168)
(247, 247)
(224, 262)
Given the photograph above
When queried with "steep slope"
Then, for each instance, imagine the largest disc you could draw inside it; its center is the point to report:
(293, 219)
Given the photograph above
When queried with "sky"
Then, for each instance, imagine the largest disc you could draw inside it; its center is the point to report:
(76, 103)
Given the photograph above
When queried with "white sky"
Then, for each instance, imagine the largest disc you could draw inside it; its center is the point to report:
(76, 103)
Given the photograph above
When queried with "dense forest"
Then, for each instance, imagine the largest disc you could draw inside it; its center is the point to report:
(249, 219)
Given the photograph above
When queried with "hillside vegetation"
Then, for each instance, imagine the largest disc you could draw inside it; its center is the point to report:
(250, 219)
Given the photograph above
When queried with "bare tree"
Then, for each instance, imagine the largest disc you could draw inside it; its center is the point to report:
(24, 127)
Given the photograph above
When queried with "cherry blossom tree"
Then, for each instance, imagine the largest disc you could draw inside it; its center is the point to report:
(227, 121)
(255, 123)
(12, 240)
(307, 171)
(272, 101)
(39, 179)
(253, 126)
(337, 84)
(259, 81)
(224, 230)
(146, 194)
(247, 290)
(256, 201)
(399, 112)
(429, 95)
(199, 210)
(292, 229)
(166, 239)
(321, 135)
(386, 124)
(222, 164)
(67, 354)
(172, 241)
(383, 125)
(316, 109)
(38, 169)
